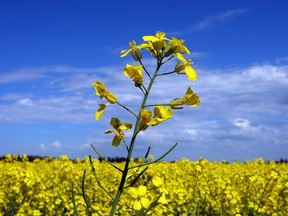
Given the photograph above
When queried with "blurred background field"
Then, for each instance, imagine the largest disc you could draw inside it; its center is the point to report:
(43, 187)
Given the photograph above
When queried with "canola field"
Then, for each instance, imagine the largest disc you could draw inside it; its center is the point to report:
(43, 187)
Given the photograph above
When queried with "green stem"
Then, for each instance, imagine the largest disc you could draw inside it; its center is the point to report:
(135, 133)
(160, 158)
(149, 105)
(127, 109)
(98, 180)
(144, 89)
(103, 158)
(168, 59)
(145, 69)
(135, 172)
(125, 145)
(163, 74)
(74, 201)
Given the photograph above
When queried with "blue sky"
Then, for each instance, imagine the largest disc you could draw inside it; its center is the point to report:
(52, 51)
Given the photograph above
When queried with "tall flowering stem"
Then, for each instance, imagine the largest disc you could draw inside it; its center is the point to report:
(131, 147)
(163, 50)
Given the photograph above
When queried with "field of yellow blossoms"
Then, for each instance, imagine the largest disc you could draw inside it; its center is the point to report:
(43, 187)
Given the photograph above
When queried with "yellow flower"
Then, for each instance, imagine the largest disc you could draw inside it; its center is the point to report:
(157, 181)
(177, 45)
(135, 73)
(103, 92)
(163, 199)
(118, 127)
(189, 98)
(139, 195)
(157, 41)
(146, 117)
(100, 111)
(183, 64)
(161, 114)
(134, 50)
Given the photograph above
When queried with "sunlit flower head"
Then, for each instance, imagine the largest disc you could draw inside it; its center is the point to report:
(139, 194)
(157, 41)
(161, 114)
(189, 98)
(135, 73)
(118, 127)
(157, 181)
(185, 65)
(103, 92)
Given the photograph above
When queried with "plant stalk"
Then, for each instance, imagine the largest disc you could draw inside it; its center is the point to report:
(131, 147)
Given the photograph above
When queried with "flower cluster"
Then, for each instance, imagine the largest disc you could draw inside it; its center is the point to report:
(163, 49)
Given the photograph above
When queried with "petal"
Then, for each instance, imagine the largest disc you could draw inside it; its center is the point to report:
(148, 38)
(103, 92)
(163, 199)
(153, 122)
(191, 73)
(194, 100)
(116, 141)
(179, 67)
(115, 123)
(143, 46)
(100, 111)
(127, 70)
(99, 87)
(157, 110)
(146, 117)
(111, 98)
(161, 114)
(181, 57)
(145, 202)
(189, 92)
(184, 49)
(142, 190)
(133, 192)
(109, 131)
(125, 126)
(146, 114)
(125, 52)
(157, 181)
(176, 102)
(137, 205)
(134, 72)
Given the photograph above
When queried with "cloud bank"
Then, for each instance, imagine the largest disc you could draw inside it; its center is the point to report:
(243, 111)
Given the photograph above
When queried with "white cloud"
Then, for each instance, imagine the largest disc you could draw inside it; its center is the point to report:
(281, 60)
(239, 105)
(245, 128)
(43, 147)
(25, 102)
(259, 88)
(242, 123)
(45, 72)
(191, 132)
(218, 17)
(19, 76)
(56, 144)
(51, 146)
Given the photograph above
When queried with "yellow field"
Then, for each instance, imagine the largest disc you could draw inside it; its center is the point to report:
(43, 187)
